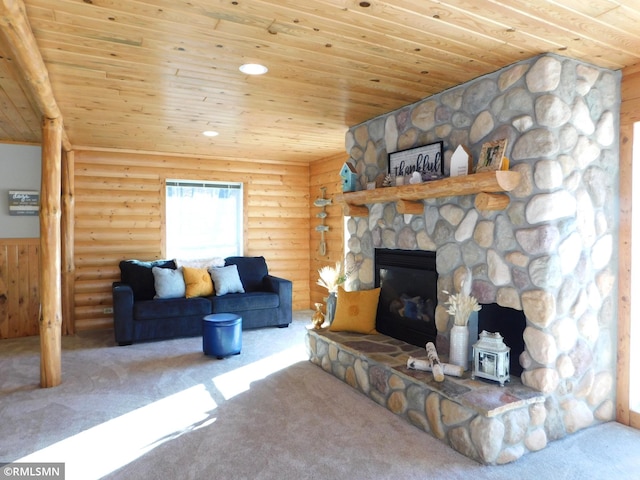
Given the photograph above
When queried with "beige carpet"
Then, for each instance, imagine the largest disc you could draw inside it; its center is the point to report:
(163, 410)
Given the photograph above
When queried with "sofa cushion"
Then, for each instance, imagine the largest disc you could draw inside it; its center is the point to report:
(139, 275)
(238, 302)
(171, 307)
(226, 280)
(252, 271)
(169, 283)
(197, 282)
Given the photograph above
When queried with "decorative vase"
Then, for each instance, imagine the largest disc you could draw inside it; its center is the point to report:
(331, 307)
(459, 346)
(318, 317)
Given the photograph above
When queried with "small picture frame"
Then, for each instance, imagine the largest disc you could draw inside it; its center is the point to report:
(491, 156)
(426, 159)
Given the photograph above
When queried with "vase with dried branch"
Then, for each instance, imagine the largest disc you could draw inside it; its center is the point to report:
(460, 305)
(331, 278)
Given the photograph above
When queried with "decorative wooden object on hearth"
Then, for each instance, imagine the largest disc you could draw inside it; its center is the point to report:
(322, 202)
(434, 362)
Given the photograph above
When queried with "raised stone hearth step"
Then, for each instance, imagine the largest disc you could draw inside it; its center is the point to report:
(480, 419)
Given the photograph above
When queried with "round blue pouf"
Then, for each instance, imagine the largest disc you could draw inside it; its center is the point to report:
(222, 334)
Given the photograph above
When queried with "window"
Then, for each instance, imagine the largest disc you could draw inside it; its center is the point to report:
(203, 219)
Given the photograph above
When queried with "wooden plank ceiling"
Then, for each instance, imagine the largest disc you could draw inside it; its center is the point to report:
(151, 75)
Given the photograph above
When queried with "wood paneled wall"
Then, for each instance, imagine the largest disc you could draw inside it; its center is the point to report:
(119, 215)
(325, 173)
(19, 287)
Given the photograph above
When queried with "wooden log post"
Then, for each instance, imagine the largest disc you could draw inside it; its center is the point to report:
(68, 265)
(16, 31)
(50, 289)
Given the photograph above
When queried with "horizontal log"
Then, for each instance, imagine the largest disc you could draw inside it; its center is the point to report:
(498, 181)
(350, 210)
(491, 201)
(409, 207)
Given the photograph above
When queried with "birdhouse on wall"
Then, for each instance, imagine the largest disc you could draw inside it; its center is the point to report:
(349, 177)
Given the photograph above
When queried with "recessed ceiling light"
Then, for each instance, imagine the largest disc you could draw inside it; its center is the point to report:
(210, 133)
(253, 69)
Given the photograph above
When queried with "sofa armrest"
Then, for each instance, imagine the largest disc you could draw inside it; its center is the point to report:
(284, 289)
(122, 313)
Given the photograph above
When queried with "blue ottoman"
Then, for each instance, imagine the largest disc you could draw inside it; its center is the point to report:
(222, 334)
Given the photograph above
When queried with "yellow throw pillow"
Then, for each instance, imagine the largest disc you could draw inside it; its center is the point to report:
(356, 311)
(197, 282)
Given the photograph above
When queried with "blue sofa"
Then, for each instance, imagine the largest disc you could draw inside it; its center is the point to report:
(139, 317)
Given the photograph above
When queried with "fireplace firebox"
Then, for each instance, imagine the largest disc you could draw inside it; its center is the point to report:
(408, 283)
(510, 324)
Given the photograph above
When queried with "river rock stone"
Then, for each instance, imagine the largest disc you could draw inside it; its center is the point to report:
(544, 75)
(423, 115)
(454, 413)
(581, 117)
(539, 307)
(516, 424)
(549, 207)
(577, 415)
(467, 226)
(552, 111)
(601, 252)
(548, 175)
(605, 129)
(538, 240)
(452, 213)
(508, 297)
(487, 434)
(535, 143)
(483, 233)
(478, 96)
(544, 380)
(536, 440)
(481, 127)
(499, 272)
(585, 152)
(540, 345)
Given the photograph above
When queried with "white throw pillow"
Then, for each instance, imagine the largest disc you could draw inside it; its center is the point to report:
(226, 280)
(169, 283)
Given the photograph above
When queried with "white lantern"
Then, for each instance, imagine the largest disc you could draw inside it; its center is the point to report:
(491, 358)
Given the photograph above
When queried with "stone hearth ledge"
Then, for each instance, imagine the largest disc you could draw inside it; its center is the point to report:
(480, 419)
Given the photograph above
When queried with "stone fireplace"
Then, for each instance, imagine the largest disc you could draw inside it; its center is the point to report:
(550, 252)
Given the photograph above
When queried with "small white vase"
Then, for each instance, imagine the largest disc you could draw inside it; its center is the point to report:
(459, 346)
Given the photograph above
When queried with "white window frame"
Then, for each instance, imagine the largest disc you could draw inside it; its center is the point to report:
(209, 222)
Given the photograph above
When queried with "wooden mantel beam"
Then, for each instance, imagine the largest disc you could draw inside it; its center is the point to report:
(16, 30)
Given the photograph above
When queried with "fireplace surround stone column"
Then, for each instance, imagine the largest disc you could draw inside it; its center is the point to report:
(551, 252)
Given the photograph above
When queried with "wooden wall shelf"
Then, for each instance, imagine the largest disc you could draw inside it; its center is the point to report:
(487, 186)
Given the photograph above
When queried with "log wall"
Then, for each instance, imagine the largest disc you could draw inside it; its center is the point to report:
(119, 215)
(19, 287)
(325, 173)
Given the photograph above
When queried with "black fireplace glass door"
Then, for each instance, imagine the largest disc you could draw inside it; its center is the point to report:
(408, 295)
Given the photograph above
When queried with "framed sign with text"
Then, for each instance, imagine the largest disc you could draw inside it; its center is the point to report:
(426, 159)
(24, 202)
